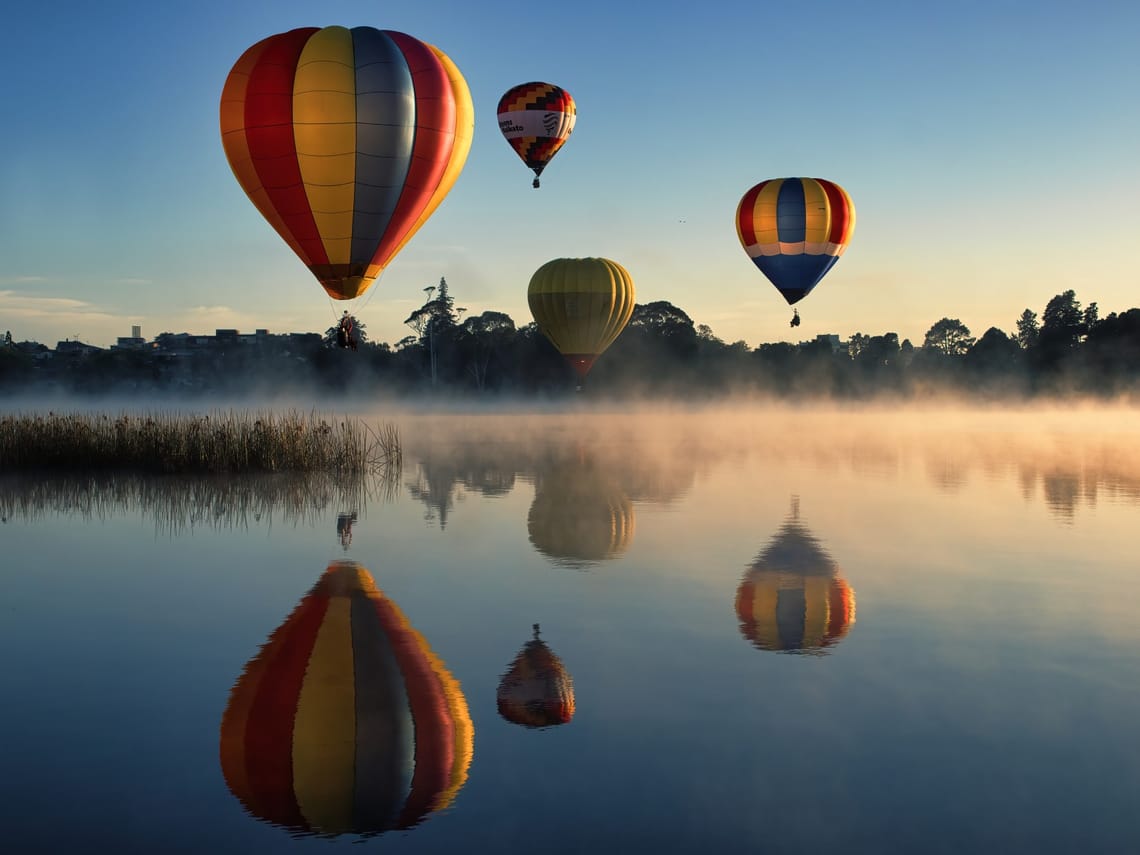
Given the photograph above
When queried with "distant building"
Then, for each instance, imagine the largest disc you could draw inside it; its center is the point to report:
(832, 341)
(75, 349)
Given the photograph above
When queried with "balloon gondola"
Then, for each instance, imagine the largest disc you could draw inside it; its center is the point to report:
(536, 691)
(345, 722)
(346, 141)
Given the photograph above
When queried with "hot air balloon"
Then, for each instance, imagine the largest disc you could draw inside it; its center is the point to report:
(792, 599)
(581, 305)
(345, 722)
(536, 691)
(537, 119)
(346, 140)
(579, 515)
(794, 230)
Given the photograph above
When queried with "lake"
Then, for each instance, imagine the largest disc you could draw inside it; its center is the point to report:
(680, 630)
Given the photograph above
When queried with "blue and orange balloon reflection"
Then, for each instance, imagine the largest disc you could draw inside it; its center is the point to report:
(346, 722)
(793, 599)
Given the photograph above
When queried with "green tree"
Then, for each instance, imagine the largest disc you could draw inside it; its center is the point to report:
(949, 337)
(1062, 326)
(482, 337)
(1028, 330)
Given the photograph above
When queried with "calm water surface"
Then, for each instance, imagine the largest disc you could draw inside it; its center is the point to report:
(761, 631)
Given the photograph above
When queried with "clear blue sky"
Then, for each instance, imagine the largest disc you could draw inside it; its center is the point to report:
(990, 148)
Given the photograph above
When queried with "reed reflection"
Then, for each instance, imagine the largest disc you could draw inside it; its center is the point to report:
(536, 691)
(793, 599)
(580, 514)
(345, 722)
(179, 504)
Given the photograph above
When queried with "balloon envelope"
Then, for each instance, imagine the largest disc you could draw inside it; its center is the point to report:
(346, 141)
(581, 305)
(536, 691)
(579, 515)
(794, 230)
(536, 119)
(345, 722)
(792, 599)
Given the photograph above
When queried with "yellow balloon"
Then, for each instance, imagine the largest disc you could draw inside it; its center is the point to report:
(581, 305)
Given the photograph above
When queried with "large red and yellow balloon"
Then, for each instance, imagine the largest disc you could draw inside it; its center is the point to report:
(346, 140)
(793, 599)
(581, 305)
(346, 721)
(536, 691)
(794, 230)
(536, 119)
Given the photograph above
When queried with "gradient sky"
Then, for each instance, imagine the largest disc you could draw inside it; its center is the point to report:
(990, 148)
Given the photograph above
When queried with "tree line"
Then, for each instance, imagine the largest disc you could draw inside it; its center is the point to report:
(1066, 350)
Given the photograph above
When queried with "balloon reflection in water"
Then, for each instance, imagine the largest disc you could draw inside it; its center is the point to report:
(346, 722)
(792, 599)
(536, 691)
(579, 515)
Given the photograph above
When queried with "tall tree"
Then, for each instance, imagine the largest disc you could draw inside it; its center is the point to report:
(1062, 326)
(1028, 330)
(949, 337)
(481, 338)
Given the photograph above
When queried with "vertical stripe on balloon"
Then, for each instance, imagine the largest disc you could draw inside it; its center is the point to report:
(324, 130)
(385, 135)
(269, 132)
(791, 224)
(434, 140)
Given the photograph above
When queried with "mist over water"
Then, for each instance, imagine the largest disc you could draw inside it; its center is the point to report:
(821, 626)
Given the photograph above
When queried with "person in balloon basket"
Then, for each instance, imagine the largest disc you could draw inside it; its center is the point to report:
(344, 332)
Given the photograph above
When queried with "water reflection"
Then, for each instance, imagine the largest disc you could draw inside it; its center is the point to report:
(345, 721)
(536, 691)
(179, 504)
(793, 599)
(344, 523)
(580, 514)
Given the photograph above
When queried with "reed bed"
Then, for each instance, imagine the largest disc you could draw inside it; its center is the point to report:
(229, 442)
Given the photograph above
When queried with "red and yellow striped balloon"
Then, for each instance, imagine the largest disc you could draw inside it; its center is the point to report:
(346, 141)
(346, 721)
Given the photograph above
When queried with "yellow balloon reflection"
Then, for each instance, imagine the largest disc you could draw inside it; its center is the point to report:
(536, 691)
(346, 721)
(793, 599)
(580, 515)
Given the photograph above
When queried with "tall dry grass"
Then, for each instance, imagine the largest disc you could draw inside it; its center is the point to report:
(229, 442)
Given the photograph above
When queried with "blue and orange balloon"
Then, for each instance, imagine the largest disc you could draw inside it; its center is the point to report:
(346, 141)
(794, 230)
(346, 721)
